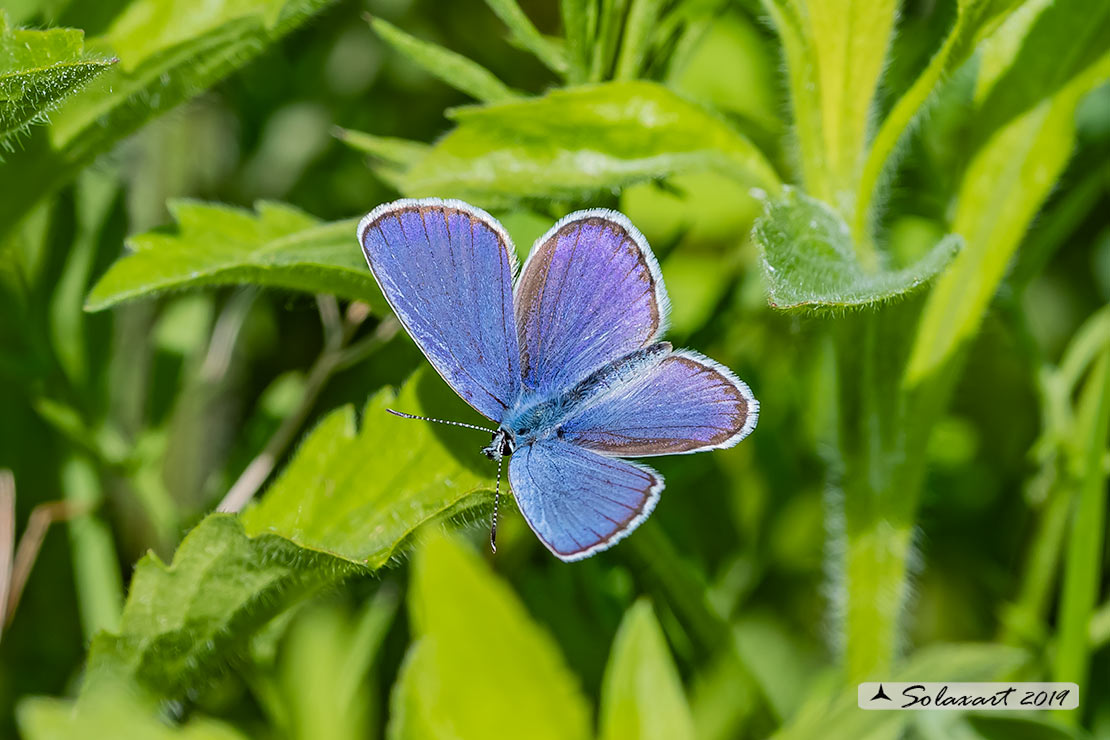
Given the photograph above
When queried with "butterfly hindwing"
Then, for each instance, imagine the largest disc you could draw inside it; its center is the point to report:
(446, 268)
(590, 292)
(577, 501)
(685, 403)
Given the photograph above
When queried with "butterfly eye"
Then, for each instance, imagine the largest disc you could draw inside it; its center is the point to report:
(525, 431)
(559, 432)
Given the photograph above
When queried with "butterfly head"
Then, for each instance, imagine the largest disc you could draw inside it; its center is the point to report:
(501, 446)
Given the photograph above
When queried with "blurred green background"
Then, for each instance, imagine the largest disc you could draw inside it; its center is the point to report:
(924, 496)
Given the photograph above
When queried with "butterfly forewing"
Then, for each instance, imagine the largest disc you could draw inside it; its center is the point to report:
(577, 501)
(590, 293)
(446, 269)
(685, 403)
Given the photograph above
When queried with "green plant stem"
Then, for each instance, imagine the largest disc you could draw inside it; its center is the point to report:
(894, 126)
(95, 563)
(1083, 565)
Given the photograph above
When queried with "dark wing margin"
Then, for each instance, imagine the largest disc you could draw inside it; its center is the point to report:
(579, 502)
(590, 292)
(446, 269)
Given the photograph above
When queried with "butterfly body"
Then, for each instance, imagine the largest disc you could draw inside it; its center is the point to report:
(567, 361)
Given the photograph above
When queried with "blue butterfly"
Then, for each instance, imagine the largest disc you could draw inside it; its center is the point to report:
(568, 363)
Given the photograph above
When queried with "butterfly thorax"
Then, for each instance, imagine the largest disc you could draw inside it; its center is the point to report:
(538, 416)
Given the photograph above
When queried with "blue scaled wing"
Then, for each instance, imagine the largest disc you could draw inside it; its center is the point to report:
(590, 292)
(685, 403)
(577, 501)
(446, 268)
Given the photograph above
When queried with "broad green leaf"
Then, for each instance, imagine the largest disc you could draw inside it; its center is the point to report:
(833, 714)
(808, 258)
(974, 20)
(277, 246)
(38, 69)
(454, 69)
(480, 667)
(359, 494)
(1004, 186)
(835, 52)
(168, 51)
(525, 34)
(642, 693)
(113, 712)
(347, 503)
(578, 141)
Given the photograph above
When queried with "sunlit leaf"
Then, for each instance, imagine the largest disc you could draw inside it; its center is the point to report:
(38, 69)
(578, 141)
(809, 258)
(480, 668)
(168, 50)
(835, 53)
(277, 246)
(112, 712)
(348, 502)
(454, 69)
(642, 696)
(1002, 190)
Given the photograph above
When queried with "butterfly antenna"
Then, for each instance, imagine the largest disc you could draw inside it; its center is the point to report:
(496, 506)
(403, 415)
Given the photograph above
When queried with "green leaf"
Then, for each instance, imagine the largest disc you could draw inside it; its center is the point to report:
(390, 157)
(372, 488)
(1005, 184)
(834, 714)
(1065, 42)
(578, 16)
(456, 70)
(835, 52)
(974, 20)
(574, 142)
(169, 51)
(642, 693)
(479, 666)
(38, 69)
(348, 502)
(525, 34)
(808, 258)
(113, 713)
(277, 246)
(642, 19)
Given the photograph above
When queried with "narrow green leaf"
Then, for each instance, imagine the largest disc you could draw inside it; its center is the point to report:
(480, 667)
(168, 50)
(834, 714)
(835, 52)
(643, 17)
(1004, 186)
(524, 33)
(577, 17)
(808, 258)
(390, 157)
(456, 70)
(38, 69)
(1065, 42)
(1083, 565)
(349, 501)
(575, 142)
(277, 246)
(974, 19)
(642, 696)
